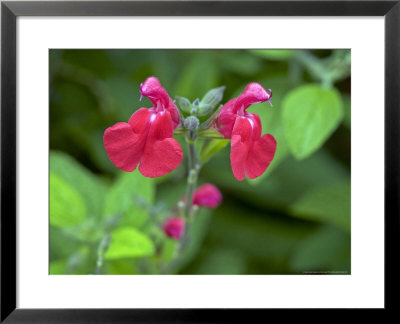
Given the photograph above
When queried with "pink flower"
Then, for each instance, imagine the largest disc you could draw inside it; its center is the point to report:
(147, 138)
(174, 227)
(207, 195)
(251, 153)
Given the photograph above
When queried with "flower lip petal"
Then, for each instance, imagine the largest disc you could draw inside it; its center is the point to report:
(124, 147)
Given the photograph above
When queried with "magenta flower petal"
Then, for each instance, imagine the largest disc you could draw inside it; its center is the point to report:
(260, 156)
(251, 154)
(162, 153)
(123, 146)
(254, 93)
(240, 146)
(207, 195)
(174, 227)
(152, 89)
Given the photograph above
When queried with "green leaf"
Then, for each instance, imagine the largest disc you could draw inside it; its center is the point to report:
(121, 267)
(184, 104)
(327, 249)
(326, 204)
(58, 267)
(128, 242)
(278, 54)
(310, 115)
(61, 243)
(124, 195)
(212, 147)
(210, 133)
(213, 97)
(90, 188)
(66, 205)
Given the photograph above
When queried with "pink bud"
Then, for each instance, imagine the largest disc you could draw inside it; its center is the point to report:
(174, 227)
(207, 195)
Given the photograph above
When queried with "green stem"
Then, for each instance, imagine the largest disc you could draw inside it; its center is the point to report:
(193, 171)
(188, 211)
(101, 250)
(316, 67)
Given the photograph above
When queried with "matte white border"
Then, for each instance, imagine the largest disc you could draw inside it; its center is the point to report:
(363, 288)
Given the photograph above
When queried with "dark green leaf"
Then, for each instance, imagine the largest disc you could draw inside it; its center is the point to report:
(212, 147)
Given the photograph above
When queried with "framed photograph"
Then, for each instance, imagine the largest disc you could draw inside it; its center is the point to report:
(197, 161)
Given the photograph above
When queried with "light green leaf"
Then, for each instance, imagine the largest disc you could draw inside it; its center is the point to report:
(325, 251)
(126, 195)
(212, 147)
(121, 267)
(66, 205)
(274, 54)
(327, 204)
(90, 188)
(310, 115)
(128, 242)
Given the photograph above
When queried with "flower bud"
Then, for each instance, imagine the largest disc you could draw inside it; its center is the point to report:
(205, 109)
(174, 227)
(213, 97)
(196, 103)
(191, 123)
(207, 195)
(183, 104)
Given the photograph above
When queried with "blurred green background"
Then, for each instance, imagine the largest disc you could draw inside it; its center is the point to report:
(294, 219)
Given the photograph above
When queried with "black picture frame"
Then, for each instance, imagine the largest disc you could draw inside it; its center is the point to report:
(10, 10)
